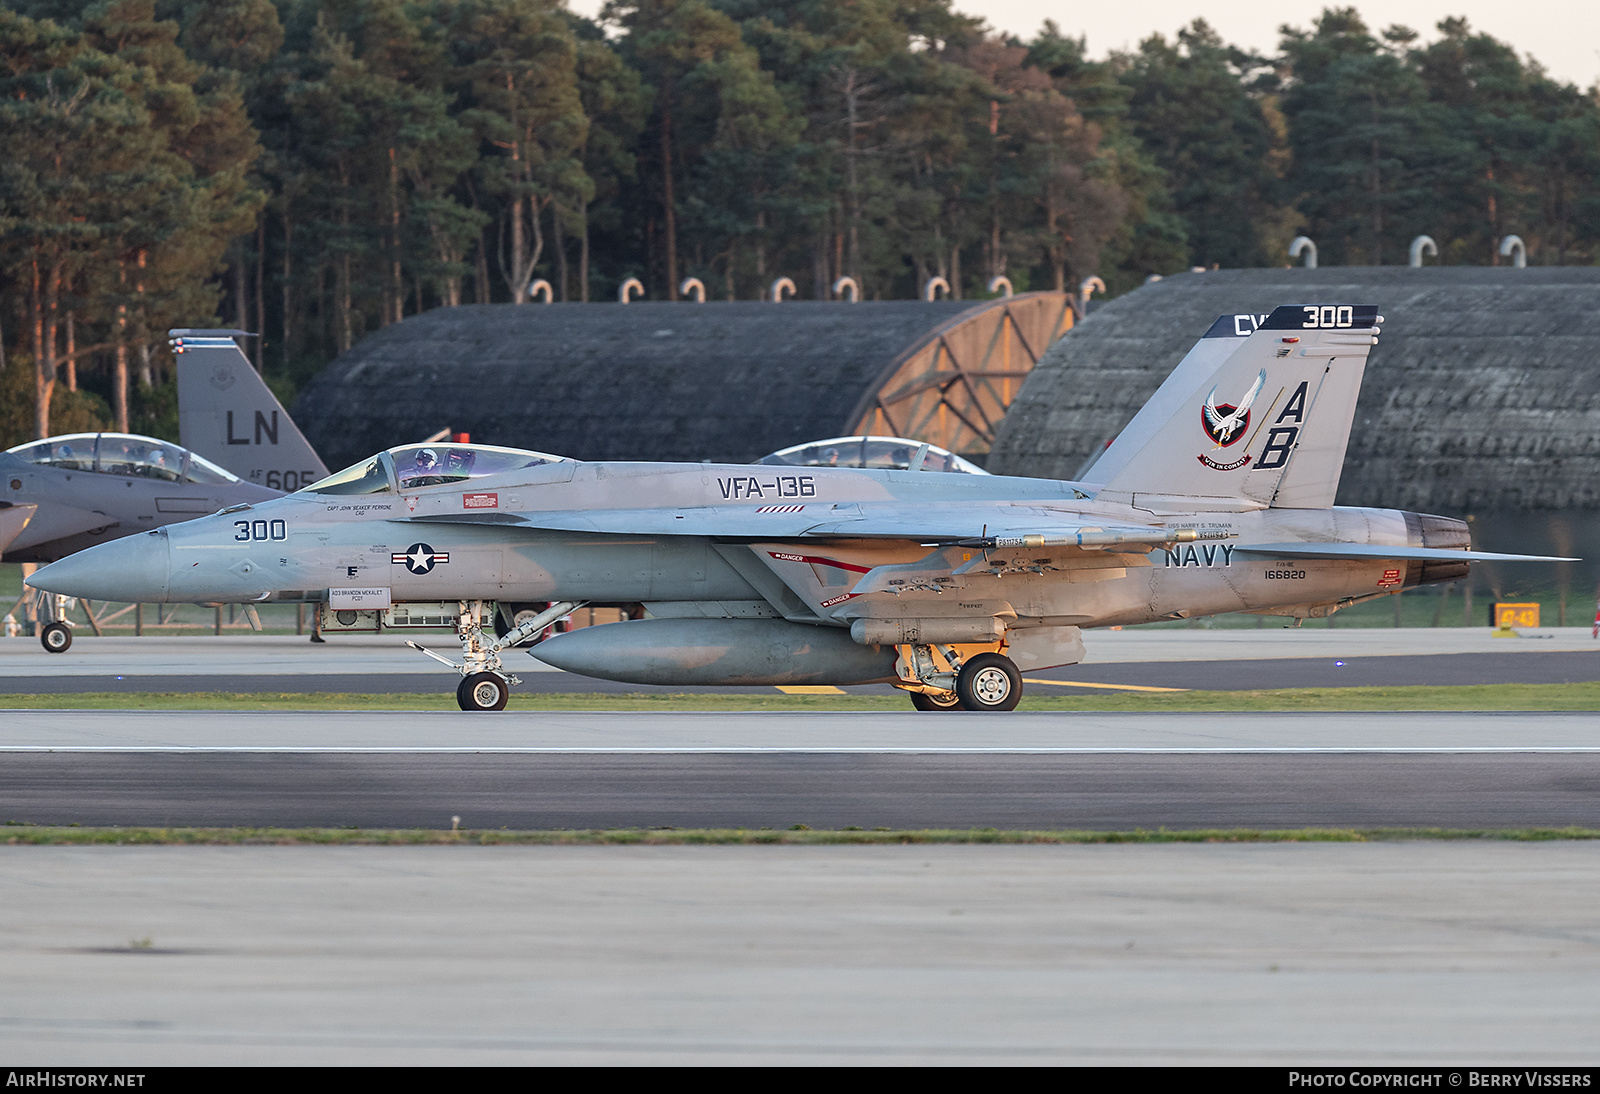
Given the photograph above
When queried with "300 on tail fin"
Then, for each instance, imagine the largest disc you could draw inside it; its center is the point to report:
(1269, 426)
(227, 414)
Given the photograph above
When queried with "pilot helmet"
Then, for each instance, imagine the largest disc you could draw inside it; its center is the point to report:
(427, 459)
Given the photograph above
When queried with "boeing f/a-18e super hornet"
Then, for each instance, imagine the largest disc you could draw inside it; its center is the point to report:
(1217, 497)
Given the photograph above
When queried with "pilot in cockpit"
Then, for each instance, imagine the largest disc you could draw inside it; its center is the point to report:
(427, 470)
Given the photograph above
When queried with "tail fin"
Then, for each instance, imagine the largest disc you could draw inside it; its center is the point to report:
(1218, 343)
(227, 414)
(1268, 426)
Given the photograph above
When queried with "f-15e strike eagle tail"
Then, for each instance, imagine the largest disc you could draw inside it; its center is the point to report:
(1266, 424)
(227, 414)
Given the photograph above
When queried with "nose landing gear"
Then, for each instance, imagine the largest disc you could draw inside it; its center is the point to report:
(485, 683)
(55, 637)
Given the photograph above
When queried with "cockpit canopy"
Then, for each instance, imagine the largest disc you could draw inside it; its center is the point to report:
(418, 466)
(887, 453)
(126, 454)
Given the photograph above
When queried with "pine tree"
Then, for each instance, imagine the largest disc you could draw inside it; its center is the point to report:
(1197, 116)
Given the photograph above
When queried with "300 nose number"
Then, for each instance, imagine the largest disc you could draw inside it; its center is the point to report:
(259, 530)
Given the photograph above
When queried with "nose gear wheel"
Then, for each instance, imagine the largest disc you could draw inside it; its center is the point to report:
(483, 691)
(55, 637)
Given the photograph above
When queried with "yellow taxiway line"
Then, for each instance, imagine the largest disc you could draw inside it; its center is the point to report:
(1106, 687)
(806, 689)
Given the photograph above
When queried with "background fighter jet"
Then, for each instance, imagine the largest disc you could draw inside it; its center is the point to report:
(885, 453)
(86, 488)
(942, 585)
(63, 494)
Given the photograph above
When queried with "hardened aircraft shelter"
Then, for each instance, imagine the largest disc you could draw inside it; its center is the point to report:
(685, 381)
(1481, 399)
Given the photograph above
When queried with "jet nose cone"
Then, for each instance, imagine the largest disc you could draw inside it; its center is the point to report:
(132, 569)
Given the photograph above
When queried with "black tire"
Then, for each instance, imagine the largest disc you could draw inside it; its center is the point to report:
(989, 682)
(482, 691)
(56, 638)
(923, 701)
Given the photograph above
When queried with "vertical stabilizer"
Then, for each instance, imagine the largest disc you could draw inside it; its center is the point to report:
(1218, 343)
(227, 414)
(1269, 426)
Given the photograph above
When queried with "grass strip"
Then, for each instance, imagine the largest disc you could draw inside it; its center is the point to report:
(1481, 697)
(14, 833)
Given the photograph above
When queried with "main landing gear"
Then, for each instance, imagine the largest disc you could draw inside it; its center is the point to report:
(940, 679)
(485, 683)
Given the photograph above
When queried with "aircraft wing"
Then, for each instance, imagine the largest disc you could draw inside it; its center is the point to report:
(1378, 550)
(976, 525)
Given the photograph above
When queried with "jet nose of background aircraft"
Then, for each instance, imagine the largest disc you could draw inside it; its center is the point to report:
(133, 568)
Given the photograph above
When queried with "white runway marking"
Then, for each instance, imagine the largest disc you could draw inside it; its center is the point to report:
(720, 750)
(901, 733)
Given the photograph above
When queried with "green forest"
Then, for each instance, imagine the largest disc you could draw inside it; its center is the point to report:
(315, 169)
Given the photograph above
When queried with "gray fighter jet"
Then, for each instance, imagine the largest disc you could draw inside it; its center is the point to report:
(884, 453)
(86, 488)
(1217, 497)
(65, 493)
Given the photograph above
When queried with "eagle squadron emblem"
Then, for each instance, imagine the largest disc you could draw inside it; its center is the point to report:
(1224, 423)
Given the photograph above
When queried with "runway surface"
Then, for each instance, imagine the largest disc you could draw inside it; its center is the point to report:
(1357, 954)
(524, 768)
(1288, 955)
(823, 770)
(1187, 659)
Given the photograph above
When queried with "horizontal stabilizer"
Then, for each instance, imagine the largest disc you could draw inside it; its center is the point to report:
(1378, 550)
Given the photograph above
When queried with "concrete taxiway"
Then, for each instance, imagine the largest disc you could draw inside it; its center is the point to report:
(952, 770)
(1356, 954)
